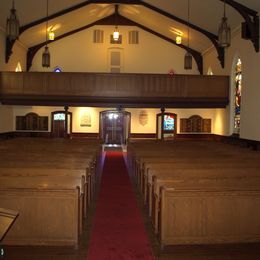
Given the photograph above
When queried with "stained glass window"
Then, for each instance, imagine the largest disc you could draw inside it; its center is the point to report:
(57, 69)
(59, 117)
(168, 123)
(237, 94)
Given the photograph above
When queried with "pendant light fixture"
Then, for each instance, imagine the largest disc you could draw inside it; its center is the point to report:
(46, 57)
(116, 32)
(188, 56)
(12, 25)
(51, 34)
(178, 39)
(224, 32)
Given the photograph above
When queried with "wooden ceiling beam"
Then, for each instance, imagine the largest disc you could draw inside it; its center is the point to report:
(10, 43)
(122, 21)
(251, 19)
(212, 37)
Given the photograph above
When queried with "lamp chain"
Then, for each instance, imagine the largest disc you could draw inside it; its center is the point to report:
(188, 23)
(47, 17)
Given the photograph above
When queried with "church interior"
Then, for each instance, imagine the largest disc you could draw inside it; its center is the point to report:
(129, 129)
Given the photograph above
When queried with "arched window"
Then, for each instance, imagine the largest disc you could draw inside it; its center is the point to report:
(210, 72)
(18, 67)
(237, 95)
(57, 69)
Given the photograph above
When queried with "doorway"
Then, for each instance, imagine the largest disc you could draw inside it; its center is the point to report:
(58, 128)
(114, 127)
(166, 128)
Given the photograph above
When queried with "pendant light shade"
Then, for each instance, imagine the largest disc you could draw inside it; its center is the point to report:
(178, 39)
(46, 57)
(224, 32)
(12, 25)
(187, 61)
(116, 34)
(188, 56)
(51, 35)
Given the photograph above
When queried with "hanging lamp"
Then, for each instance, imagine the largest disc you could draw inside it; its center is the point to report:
(178, 39)
(12, 25)
(224, 32)
(46, 57)
(116, 34)
(51, 35)
(188, 56)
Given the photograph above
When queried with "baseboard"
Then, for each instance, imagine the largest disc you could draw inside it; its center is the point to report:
(142, 135)
(84, 135)
(196, 136)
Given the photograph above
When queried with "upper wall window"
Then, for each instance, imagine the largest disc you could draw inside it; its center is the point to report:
(57, 69)
(98, 36)
(237, 94)
(210, 72)
(18, 67)
(115, 60)
(133, 37)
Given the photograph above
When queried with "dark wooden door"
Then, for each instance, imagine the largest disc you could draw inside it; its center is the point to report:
(58, 128)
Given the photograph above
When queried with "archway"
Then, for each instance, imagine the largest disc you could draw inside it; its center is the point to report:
(114, 126)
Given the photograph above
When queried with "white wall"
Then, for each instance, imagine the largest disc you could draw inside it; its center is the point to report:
(136, 126)
(78, 53)
(6, 119)
(19, 55)
(250, 116)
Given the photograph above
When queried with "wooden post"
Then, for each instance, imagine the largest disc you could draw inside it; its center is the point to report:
(66, 108)
(162, 123)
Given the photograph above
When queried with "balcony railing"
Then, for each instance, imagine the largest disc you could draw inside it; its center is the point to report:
(155, 90)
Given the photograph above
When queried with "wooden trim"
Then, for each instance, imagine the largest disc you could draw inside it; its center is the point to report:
(143, 135)
(135, 102)
(84, 135)
(196, 136)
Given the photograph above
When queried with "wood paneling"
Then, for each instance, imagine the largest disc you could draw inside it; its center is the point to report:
(109, 88)
(32, 121)
(195, 124)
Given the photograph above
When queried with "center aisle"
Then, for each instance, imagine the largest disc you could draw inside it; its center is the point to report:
(118, 231)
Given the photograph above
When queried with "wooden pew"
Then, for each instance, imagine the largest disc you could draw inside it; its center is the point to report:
(209, 215)
(48, 216)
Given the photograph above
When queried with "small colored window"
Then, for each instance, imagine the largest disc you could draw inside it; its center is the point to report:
(57, 69)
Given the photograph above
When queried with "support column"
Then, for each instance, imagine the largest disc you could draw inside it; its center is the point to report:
(66, 108)
(162, 124)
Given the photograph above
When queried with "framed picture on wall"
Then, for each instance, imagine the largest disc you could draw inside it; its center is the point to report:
(85, 120)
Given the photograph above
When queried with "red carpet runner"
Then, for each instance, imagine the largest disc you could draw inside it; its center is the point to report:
(118, 231)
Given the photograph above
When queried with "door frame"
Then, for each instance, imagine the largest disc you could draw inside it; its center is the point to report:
(114, 111)
(61, 112)
(162, 124)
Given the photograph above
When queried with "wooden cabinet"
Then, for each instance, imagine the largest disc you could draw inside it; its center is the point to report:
(195, 124)
(32, 121)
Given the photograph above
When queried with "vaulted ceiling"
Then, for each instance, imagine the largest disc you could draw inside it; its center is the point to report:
(153, 14)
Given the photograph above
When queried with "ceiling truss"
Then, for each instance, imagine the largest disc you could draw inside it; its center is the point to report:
(250, 16)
